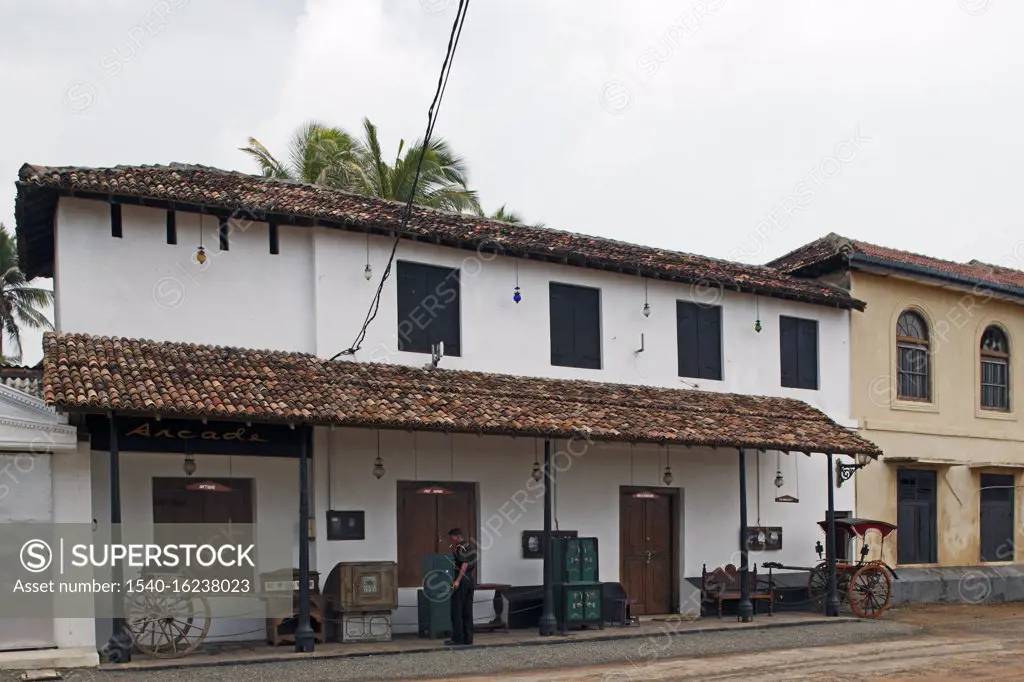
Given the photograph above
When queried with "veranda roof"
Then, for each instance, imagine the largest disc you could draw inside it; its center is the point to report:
(136, 376)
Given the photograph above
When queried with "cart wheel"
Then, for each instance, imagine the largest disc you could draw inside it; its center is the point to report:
(817, 586)
(167, 626)
(870, 591)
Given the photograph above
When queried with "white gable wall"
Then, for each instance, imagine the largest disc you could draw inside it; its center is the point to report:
(313, 297)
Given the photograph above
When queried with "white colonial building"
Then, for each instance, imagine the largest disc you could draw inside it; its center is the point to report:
(289, 267)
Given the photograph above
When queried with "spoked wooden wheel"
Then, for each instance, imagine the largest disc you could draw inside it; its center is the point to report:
(817, 586)
(167, 626)
(870, 591)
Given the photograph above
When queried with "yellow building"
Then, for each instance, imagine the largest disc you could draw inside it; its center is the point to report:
(938, 385)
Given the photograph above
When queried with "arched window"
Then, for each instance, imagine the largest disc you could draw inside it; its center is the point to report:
(995, 369)
(913, 363)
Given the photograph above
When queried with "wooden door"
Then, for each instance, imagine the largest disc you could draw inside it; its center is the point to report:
(424, 520)
(997, 526)
(172, 503)
(917, 517)
(647, 547)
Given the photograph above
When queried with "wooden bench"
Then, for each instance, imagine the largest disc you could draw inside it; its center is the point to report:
(723, 584)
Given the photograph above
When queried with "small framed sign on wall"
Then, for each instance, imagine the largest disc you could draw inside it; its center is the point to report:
(764, 538)
(346, 525)
(533, 541)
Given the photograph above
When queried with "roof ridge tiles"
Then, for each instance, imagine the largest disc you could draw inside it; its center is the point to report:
(194, 184)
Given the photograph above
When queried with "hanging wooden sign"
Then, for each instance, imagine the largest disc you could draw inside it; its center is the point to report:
(194, 437)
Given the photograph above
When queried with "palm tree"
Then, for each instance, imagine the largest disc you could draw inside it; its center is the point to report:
(332, 157)
(510, 216)
(506, 215)
(21, 305)
(317, 154)
(443, 179)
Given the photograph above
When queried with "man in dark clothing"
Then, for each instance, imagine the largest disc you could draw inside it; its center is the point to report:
(462, 589)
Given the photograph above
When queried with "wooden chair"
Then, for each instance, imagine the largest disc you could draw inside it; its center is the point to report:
(723, 584)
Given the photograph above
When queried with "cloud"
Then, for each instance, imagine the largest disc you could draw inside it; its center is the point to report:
(745, 98)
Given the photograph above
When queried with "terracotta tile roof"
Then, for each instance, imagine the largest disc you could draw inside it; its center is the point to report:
(832, 248)
(86, 373)
(292, 202)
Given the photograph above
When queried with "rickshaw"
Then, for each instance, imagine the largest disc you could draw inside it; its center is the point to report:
(866, 585)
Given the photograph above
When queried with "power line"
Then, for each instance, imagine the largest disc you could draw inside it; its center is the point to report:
(435, 107)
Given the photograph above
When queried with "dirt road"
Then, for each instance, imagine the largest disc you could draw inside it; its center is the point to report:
(959, 643)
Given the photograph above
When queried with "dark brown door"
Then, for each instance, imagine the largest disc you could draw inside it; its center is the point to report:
(424, 519)
(648, 550)
(172, 503)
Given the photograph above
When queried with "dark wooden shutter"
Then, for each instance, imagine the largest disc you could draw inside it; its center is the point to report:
(807, 353)
(917, 517)
(997, 528)
(789, 348)
(412, 287)
(428, 308)
(562, 335)
(444, 284)
(687, 339)
(710, 342)
(587, 328)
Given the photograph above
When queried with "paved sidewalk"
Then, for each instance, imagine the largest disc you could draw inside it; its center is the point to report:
(653, 647)
(259, 652)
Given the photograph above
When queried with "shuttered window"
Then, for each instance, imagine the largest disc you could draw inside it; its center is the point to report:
(699, 340)
(995, 370)
(428, 308)
(917, 518)
(913, 359)
(575, 326)
(997, 529)
(798, 344)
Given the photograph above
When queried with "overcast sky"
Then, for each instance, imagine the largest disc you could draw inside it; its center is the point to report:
(733, 128)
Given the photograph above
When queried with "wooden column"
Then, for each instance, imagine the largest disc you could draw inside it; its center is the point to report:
(547, 617)
(304, 638)
(832, 598)
(119, 646)
(745, 610)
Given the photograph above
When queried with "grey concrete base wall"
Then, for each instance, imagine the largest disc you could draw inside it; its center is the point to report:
(965, 585)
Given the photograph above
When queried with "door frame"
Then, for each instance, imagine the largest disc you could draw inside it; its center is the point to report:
(916, 468)
(674, 495)
(468, 486)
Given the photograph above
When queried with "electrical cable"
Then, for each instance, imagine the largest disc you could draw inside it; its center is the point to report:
(435, 108)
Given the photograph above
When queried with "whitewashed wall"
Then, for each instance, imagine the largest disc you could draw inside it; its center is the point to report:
(313, 297)
(275, 493)
(587, 499)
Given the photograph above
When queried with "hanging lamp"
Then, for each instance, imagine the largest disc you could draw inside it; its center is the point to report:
(368, 271)
(189, 467)
(201, 252)
(378, 464)
(647, 306)
(517, 296)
